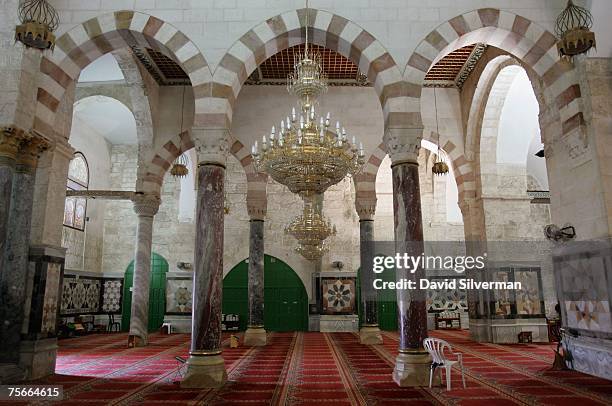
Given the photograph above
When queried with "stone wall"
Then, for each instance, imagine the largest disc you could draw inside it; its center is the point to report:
(174, 239)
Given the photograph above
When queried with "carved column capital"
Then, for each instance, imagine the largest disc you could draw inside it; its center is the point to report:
(257, 209)
(146, 205)
(211, 145)
(31, 148)
(11, 139)
(403, 144)
(366, 208)
(257, 200)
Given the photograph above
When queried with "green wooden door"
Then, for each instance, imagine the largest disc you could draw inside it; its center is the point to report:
(387, 303)
(157, 293)
(285, 298)
(235, 293)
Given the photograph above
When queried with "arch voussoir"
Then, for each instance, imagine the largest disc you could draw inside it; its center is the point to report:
(326, 29)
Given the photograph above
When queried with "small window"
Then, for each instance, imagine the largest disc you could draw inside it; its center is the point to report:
(75, 209)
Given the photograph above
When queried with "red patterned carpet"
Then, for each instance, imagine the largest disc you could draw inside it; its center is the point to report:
(314, 369)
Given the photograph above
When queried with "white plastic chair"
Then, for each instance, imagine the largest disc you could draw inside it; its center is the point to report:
(436, 348)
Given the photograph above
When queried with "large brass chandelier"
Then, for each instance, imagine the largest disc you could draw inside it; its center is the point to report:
(311, 230)
(306, 154)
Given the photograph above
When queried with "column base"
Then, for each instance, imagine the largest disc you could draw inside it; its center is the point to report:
(412, 369)
(255, 337)
(370, 335)
(38, 357)
(205, 371)
(136, 341)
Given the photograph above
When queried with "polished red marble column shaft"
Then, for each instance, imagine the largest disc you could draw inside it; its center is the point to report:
(408, 222)
(208, 277)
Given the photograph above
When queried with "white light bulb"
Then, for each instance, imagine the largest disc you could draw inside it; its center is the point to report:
(293, 113)
(273, 130)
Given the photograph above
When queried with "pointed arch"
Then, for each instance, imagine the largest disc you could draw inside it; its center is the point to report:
(329, 30)
(87, 41)
(531, 44)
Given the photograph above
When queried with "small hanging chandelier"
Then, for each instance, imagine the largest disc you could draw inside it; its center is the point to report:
(573, 28)
(311, 229)
(439, 167)
(38, 21)
(179, 167)
(305, 154)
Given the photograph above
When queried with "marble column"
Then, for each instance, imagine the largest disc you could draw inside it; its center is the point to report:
(146, 207)
(472, 211)
(369, 333)
(413, 362)
(255, 334)
(205, 366)
(10, 138)
(14, 277)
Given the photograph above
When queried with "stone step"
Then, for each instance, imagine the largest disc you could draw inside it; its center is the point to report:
(11, 373)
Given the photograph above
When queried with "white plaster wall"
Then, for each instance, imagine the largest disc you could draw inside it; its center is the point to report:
(519, 129)
(96, 150)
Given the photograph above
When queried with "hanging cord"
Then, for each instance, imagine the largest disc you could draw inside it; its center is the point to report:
(437, 125)
(183, 109)
(306, 46)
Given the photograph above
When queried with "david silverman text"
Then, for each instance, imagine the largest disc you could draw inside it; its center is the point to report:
(468, 284)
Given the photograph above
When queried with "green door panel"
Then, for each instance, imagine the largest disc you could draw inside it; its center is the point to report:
(157, 293)
(387, 302)
(285, 298)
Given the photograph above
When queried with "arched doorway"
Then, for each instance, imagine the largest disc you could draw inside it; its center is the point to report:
(157, 293)
(285, 298)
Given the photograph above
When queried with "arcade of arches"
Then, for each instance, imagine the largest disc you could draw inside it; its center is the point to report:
(103, 252)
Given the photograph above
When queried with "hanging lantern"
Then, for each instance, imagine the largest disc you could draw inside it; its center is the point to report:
(439, 167)
(38, 21)
(573, 27)
(179, 167)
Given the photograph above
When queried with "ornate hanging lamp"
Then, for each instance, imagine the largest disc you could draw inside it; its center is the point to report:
(573, 28)
(439, 167)
(305, 154)
(179, 166)
(38, 21)
(311, 229)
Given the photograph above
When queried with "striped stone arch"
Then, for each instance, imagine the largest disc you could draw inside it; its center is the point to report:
(463, 169)
(85, 42)
(328, 30)
(165, 156)
(479, 102)
(534, 46)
